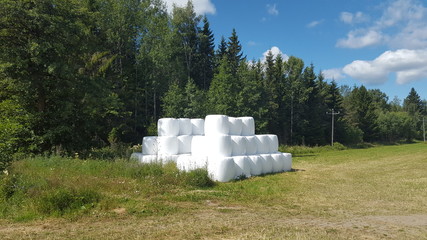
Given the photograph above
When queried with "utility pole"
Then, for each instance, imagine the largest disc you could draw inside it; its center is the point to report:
(333, 113)
(424, 128)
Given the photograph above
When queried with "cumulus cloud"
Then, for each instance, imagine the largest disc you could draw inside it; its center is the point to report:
(408, 65)
(334, 73)
(352, 18)
(201, 7)
(272, 9)
(361, 38)
(315, 23)
(275, 51)
(402, 24)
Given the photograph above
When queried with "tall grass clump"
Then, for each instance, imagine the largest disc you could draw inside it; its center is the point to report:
(306, 150)
(59, 187)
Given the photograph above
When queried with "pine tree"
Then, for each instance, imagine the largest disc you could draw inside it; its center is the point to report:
(234, 52)
(206, 56)
(363, 113)
(412, 103)
(222, 94)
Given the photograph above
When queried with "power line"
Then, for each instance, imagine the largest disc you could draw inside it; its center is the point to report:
(332, 113)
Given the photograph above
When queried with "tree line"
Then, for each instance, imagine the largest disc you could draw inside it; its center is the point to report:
(82, 74)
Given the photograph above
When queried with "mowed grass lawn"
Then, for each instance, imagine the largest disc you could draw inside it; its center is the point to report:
(373, 193)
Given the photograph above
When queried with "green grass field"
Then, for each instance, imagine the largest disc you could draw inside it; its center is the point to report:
(372, 193)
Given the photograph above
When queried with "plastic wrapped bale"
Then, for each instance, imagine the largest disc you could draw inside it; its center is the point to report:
(185, 127)
(288, 162)
(168, 127)
(217, 125)
(251, 145)
(236, 125)
(198, 126)
(168, 145)
(221, 169)
(274, 143)
(257, 164)
(136, 156)
(243, 166)
(184, 144)
(183, 162)
(267, 164)
(219, 145)
(149, 145)
(248, 126)
(278, 162)
(167, 158)
(263, 144)
(199, 146)
(149, 159)
(239, 144)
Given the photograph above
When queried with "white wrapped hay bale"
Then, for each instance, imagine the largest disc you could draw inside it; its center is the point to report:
(278, 162)
(239, 145)
(136, 156)
(148, 159)
(198, 126)
(217, 125)
(248, 126)
(185, 127)
(168, 145)
(251, 145)
(243, 166)
(263, 143)
(199, 146)
(199, 162)
(164, 158)
(149, 145)
(222, 169)
(267, 164)
(168, 127)
(236, 125)
(257, 164)
(186, 162)
(288, 162)
(183, 162)
(184, 144)
(274, 143)
(219, 145)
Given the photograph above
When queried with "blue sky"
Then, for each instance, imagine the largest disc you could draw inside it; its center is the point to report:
(380, 44)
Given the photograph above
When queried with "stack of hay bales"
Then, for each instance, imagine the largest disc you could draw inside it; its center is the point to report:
(226, 146)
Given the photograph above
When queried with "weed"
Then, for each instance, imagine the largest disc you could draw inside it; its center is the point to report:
(60, 201)
(198, 178)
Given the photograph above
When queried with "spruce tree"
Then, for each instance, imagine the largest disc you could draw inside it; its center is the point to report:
(206, 54)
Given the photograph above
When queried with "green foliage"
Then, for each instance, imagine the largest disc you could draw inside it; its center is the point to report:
(395, 126)
(79, 76)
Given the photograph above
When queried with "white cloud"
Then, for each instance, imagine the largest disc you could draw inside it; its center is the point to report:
(314, 23)
(408, 65)
(275, 51)
(272, 9)
(352, 18)
(201, 7)
(402, 24)
(361, 38)
(334, 73)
